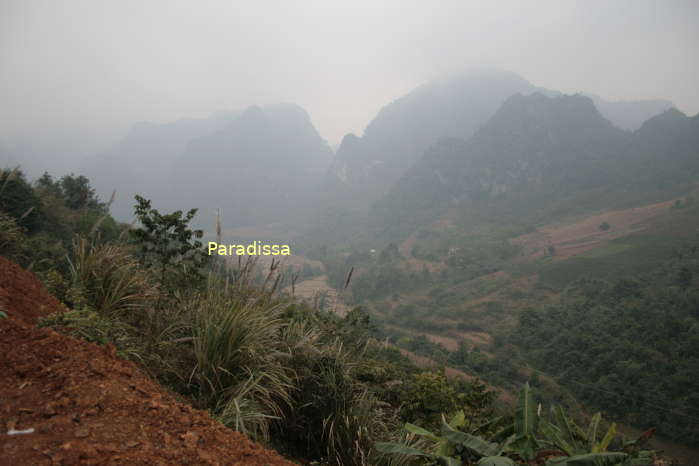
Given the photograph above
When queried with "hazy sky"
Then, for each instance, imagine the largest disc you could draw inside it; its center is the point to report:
(92, 68)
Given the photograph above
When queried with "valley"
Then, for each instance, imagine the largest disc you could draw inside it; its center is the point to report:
(483, 242)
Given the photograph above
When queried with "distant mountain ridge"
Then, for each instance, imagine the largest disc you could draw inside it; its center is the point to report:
(140, 163)
(536, 151)
(155, 160)
(262, 167)
(257, 165)
(366, 167)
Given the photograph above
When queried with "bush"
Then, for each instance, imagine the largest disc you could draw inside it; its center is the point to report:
(239, 372)
(107, 279)
(11, 238)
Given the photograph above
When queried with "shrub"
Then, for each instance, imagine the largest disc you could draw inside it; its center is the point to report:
(238, 372)
(11, 238)
(168, 246)
(107, 279)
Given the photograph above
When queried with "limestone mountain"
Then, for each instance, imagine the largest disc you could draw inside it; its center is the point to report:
(539, 154)
(366, 167)
(140, 163)
(262, 167)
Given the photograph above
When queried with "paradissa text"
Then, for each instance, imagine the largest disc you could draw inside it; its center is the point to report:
(256, 248)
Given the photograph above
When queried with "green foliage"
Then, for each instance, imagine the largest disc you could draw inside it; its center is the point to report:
(451, 447)
(684, 278)
(39, 221)
(495, 461)
(107, 279)
(591, 459)
(526, 423)
(97, 328)
(18, 200)
(526, 441)
(12, 238)
(316, 385)
(77, 193)
(604, 226)
(627, 347)
(329, 404)
(168, 246)
(428, 396)
(565, 434)
(234, 345)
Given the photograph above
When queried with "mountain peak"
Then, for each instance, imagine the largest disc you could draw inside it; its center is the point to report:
(670, 123)
(574, 116)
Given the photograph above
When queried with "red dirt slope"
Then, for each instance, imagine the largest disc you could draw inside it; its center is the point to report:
(87, 406)
(22, 296)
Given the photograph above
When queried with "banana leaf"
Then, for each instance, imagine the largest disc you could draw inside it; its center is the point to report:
(525, 446)
(526, 419)
(553, 434)
(496, 461)
(475, 445)
(417, 430)
(608, 437)
(592, 431)
(568, 428)
(448, 461)
(591, 459)
(458, 420)
(392, 448)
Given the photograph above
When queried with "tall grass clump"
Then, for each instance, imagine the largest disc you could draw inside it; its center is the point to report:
(239, 372)
(333, 418)
(110, 297)
(108, 279)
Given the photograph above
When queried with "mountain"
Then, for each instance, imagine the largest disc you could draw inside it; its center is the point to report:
(366, 167)
(262, 167)
(140, 163)
(538, 152)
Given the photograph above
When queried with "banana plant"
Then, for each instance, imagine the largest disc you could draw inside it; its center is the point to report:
(523, 440)
(585, 448)
(591, 459)
(566, 435)
(451, 447)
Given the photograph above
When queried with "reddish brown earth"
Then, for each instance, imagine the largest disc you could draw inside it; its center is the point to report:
(584, 234)
(87, 406)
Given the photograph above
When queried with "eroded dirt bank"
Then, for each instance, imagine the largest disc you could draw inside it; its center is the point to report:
(86, 405)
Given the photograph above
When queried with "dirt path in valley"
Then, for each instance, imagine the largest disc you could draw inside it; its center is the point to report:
(81, 404)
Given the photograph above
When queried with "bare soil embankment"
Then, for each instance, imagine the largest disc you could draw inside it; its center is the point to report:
(86, 405)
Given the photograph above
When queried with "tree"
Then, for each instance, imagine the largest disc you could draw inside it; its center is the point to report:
(77, 193)
(17, 199)
(604, 226)
(46, 184)
(169, 246)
